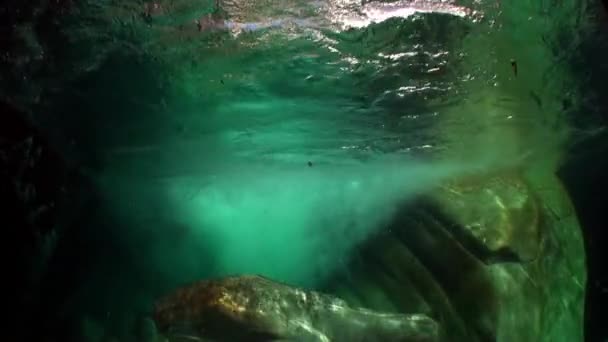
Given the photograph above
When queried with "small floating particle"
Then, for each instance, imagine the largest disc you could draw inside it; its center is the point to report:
(514, 66)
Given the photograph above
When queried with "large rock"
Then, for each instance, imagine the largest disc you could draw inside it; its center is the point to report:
(252, 308)
(494, 257)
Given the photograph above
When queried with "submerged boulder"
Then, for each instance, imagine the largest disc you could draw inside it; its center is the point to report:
(253, 308)
(490, 257)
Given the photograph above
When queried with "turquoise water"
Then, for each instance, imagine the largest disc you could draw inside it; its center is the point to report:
(276, 137)
(385, 102)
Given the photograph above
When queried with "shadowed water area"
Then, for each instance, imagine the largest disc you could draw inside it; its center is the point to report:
(401, 157)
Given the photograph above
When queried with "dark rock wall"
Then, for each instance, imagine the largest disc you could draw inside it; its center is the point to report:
(38, 191)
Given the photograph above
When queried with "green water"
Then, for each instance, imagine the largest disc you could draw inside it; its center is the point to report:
(278, 151)
(219, 131)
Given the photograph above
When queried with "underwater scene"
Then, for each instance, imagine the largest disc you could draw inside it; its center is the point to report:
(304, 170)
